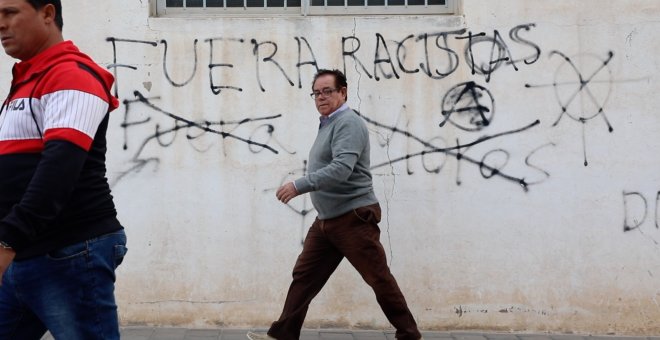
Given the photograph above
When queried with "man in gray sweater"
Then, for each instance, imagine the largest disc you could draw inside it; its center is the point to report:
(340, 186)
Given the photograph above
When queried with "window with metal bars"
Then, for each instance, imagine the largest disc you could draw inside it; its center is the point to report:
(304, 7)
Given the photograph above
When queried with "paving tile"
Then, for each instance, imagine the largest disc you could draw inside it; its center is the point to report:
(534, 337)
(309, 336)
(369, 335)
(437, 336)
(136, 333)
(568, 337)
(335, 335)
(203, 334)
(169, 334)
(501, 336)
(468, 336)
(237, 334)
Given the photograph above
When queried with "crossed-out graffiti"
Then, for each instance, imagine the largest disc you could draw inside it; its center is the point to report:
(468, 106)
(265, 54)
(261, 129)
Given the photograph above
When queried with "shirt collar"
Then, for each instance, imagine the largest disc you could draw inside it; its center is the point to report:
(326, 119)
(340, 109)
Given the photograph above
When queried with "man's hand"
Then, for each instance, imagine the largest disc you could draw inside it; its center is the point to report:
(286, 192)
(6, 257)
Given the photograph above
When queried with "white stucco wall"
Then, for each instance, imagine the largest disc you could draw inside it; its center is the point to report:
(577, 251)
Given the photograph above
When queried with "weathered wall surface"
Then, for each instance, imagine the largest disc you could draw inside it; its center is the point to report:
(514, 150)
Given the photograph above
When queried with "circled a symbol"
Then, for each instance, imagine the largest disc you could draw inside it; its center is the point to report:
(468, 106)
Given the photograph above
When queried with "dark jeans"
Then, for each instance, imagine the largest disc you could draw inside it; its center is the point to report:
(69, 291)
(356, 236)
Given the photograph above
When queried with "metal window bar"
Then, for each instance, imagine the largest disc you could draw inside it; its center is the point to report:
(328, 7)
(188, 5)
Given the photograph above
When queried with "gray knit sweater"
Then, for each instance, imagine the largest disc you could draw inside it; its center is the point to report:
(339, 179)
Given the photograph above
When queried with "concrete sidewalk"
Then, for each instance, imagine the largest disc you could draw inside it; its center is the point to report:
(158, 333)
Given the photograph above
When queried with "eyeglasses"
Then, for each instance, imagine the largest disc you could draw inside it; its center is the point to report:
(325, 92)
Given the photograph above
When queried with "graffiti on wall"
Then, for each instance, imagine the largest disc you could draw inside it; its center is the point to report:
(302, 206)
(484, 54)
(258, 138)
(468, 106)
(642, 214)
(461, 310)
(458, 151)
(435, 46)
(570, 84)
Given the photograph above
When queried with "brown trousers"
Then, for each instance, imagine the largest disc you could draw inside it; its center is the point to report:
(356, 236)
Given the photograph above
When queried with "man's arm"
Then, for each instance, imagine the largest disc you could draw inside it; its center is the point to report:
(48, 192)
(71, 120)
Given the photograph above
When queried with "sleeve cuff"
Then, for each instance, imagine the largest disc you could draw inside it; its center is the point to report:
(14, 239)
(302, 185)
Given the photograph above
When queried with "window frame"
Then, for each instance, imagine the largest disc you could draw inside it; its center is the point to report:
(450, 7)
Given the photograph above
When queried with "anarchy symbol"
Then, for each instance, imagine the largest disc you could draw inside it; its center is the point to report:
(468, 106)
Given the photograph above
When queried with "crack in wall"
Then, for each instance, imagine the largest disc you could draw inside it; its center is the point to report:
(387, 140)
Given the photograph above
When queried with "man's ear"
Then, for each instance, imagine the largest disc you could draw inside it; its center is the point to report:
(49, 12)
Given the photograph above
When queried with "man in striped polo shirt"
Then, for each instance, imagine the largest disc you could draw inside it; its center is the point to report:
(60, 240)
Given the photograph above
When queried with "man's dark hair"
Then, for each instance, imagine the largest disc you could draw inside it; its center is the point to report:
(340, 78)
(39, 4)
